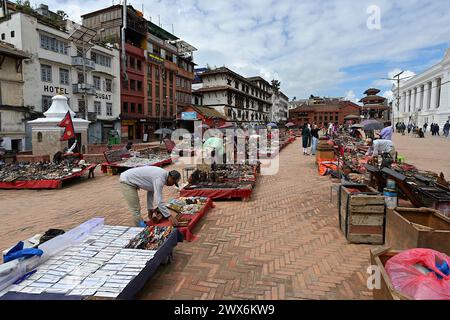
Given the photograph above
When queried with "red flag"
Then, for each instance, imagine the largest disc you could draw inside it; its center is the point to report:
(69, 131)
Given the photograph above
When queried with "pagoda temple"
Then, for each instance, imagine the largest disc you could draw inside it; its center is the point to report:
(374, 106)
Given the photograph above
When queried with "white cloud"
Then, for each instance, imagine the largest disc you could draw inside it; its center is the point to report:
(351, 96)
(389, 95)
(307, 43)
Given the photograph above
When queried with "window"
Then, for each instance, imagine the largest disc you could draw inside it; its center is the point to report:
(125, 107)
(82, 108)
(150, 110)
(53, 44)
(3, 36)
(133, 85)
(39, 136)
(139, 86)
(80, 77)
(64, 76)
(157, 73)
(98, 108)
(158, 109)
(46, 73)
(109, 109)
(13, 34)
(132, 63)
(101, 59)
(133, 108)
(149, 71)
(139, 65)
(157, 90)
(108, 85)
(139, 108)
(97, 82)
(46, 103)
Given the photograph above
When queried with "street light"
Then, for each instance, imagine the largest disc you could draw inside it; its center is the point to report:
(397, 78)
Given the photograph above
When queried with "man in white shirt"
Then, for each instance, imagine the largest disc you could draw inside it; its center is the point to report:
(153, 180)
(380, 146)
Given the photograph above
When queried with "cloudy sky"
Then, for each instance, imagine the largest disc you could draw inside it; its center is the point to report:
(320, 47)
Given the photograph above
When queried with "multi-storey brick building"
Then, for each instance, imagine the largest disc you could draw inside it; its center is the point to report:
(159, 70)
(323, 111)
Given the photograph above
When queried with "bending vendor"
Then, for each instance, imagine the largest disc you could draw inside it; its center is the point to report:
(380, 146)
(153, 180)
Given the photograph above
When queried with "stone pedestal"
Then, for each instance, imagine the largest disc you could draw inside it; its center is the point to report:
(45, 131)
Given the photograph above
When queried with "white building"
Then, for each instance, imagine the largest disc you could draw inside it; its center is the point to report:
(56, 67)
(425, 98)
(12, 112)
(246, 101)
(279, 112)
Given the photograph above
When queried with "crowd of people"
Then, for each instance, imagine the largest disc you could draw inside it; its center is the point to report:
(435, 129)
(379, 142)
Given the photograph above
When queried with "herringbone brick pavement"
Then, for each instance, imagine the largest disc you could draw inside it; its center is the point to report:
(283, 244)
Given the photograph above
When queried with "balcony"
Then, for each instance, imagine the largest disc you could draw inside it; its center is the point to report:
(78, 63)
(83, 88)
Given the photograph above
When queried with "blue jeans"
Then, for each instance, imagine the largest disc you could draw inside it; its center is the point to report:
(314, 143)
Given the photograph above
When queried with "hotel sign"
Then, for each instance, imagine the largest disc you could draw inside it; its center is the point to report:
(103, 96)
(57, 90)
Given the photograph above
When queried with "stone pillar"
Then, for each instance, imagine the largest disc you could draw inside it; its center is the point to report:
(445, 94)
(405, 102)
(427, 96)
(433, 94)
(409, 101)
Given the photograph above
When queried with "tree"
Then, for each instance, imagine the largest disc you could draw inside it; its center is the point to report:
(62, 14)
(276, 86)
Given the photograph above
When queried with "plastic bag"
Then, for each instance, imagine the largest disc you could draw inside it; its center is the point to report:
(421, 274)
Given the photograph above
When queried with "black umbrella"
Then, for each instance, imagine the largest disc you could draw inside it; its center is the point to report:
(372, 124)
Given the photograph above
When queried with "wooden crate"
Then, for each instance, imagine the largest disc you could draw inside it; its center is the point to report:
(379, 257)
(362, 214)
(409, 228)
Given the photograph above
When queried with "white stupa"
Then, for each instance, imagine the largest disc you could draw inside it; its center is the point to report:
(46, 133)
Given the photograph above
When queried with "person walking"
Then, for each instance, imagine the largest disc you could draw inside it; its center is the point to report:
(409, 128)
(425, 126)
(315, 139)
(386, 133)
(306, 135)
(446, 128)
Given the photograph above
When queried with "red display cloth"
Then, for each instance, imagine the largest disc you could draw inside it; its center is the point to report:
(218, 193)
(43, 184)
(187, 231)
(32, 184)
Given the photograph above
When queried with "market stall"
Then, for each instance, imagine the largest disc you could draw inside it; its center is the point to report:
(223, 181)
(414, 261)
(118, 161)
(190, 210)
(112, 262)
(41, 175)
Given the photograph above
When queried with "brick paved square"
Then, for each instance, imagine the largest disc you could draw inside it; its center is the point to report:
(283, 244)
